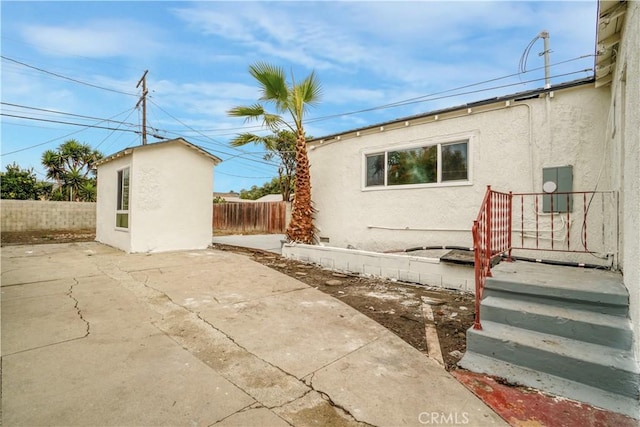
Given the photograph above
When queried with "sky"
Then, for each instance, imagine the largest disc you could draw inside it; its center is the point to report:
(69, 69)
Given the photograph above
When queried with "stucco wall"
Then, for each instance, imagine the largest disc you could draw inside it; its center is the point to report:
(27, 215)
(106, 231)
(509, 146)
(623, 134)
(171, 205)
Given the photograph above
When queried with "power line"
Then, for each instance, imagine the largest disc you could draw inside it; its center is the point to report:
(70, 114)
(68, 123)
(85, 126)
(209, 138)
(422, 98)
(432, 98)
(241, 176)
(108, 136)
(67, 78)
(42, 143)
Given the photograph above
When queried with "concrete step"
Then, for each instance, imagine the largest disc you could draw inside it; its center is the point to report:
(515, 374)
(599, 291)
(576, 323)
(610, 369)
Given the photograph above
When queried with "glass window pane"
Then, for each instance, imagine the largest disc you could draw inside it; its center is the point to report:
(454, 162)
(125, 189)
(122, 220)
(413, 166)
(119, 200)
(375, 170)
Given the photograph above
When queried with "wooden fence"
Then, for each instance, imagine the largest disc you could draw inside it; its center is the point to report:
(263, 217)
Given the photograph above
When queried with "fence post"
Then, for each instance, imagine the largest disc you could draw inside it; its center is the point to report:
(478, 274)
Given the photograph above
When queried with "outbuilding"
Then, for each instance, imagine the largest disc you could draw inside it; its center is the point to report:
(156, 197)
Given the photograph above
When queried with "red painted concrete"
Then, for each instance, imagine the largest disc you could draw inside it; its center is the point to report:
(523, 407)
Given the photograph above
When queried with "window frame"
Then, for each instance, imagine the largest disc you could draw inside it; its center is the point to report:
(420, 143)
(120, 197)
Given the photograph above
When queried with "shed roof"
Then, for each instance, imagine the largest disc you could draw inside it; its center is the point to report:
(130, 150)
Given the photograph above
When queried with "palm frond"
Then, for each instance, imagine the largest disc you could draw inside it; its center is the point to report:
(249, 112)
(310, 90)
(247, 138)
(273, 84)
(274, 122)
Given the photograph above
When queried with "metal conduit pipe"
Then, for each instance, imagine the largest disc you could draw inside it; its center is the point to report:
(515, 258)
(425, 248)
(560, 263)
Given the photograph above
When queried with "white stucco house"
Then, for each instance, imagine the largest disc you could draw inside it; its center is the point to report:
(421, 180)
(156, 197)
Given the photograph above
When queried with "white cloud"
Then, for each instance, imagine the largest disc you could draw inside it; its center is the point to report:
(94, 39)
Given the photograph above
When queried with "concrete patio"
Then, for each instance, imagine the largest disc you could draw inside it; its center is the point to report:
(94, 336)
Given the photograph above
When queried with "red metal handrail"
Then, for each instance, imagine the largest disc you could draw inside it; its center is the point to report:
(493, 228)
(491, 238)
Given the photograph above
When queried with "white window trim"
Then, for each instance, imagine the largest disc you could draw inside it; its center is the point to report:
(123, 211)
(469, 137)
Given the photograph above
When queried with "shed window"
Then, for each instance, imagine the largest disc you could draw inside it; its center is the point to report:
(122, 206)
(428, 164)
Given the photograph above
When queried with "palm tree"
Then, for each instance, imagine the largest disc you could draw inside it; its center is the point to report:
(292, 99)
(71, 165)
(87, 191)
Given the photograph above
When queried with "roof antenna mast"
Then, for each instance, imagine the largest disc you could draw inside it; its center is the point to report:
(544, 35)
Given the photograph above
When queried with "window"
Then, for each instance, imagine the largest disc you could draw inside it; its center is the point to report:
(428, 164)
(122, 205)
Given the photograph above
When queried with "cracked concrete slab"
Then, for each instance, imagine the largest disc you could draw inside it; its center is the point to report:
(266, 383)
(307, 329)
(253, 417)
(195, 287)
(150, 381)
(316, 410)
(39, 315)
(201, 338)
(356, 381)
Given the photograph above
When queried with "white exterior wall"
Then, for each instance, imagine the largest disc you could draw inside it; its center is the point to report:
(508, 148)
(623, 134)
(106, 205)
(171, 205)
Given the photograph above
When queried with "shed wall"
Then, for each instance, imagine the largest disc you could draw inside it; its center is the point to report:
(106, 231)
(171, 199)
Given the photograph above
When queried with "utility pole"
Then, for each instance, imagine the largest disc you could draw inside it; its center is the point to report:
(143, 100)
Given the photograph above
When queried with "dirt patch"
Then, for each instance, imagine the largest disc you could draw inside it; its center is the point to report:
(395, 305)
(46, 236)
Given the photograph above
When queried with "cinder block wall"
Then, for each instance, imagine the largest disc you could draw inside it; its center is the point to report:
(28, 215)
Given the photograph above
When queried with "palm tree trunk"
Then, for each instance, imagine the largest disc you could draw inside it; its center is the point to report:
(301, 228)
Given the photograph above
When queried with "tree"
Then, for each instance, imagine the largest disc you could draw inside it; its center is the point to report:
(272, 187)
(282, 145)
(72, 167)
(21, 184)
(291, 98)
